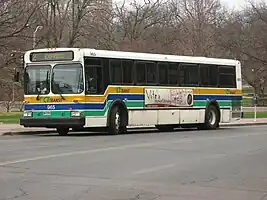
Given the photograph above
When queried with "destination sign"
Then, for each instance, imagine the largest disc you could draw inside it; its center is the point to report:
(51, 56)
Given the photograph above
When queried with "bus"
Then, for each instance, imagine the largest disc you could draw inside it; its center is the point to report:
(81, 88)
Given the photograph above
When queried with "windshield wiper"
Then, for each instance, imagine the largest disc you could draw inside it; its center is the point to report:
(60, 93)
(38, 95)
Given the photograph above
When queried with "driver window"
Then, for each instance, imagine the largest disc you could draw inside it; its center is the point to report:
(91, 80)
(93, 76)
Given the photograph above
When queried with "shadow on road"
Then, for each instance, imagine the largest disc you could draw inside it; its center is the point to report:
(130, 132)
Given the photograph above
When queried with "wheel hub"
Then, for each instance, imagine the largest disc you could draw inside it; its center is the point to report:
(117, 121)
(212, 117)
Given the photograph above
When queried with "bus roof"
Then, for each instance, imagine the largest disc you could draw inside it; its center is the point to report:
(143, 56)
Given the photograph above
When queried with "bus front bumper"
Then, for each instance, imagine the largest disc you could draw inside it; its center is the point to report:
(53, 123)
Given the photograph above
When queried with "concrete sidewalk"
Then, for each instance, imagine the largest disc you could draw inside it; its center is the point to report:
(246, 122)
(9, 129)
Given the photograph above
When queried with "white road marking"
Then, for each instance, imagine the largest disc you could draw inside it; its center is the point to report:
(154, 169)
(182, 140)
(84, 152)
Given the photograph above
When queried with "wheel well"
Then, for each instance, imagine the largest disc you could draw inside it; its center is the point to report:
(124, 111)
(215, 103)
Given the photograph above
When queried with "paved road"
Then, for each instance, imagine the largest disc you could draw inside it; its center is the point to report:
(192, 165)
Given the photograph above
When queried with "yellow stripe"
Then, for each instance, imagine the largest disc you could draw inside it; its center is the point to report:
(216, 91)
(123, 90)
(115, 90)
(95, 98)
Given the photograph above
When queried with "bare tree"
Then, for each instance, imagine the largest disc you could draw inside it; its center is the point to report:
(137, 26)
(199, 19)
(243, 35)
(63, 21)
(15, 17)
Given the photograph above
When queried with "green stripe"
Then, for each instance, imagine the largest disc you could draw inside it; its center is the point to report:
(129, 105)
(204, 103)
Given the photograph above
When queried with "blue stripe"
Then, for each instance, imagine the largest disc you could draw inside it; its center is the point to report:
(139, 97)
(217, 97)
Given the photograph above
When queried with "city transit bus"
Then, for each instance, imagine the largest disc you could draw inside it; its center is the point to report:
(80, 89)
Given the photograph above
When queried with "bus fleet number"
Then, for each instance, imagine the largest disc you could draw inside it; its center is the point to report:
(51, 107)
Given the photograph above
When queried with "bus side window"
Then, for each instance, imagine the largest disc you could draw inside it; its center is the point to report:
(174, 74)
(115, 69)
(189, 74)
(163, 73)
(227, 76)
(208, 75)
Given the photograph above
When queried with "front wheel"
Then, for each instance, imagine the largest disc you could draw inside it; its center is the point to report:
(116, 125)
(212, 118)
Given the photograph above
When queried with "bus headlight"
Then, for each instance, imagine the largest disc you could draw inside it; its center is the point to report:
(27, 114)
(75, 114)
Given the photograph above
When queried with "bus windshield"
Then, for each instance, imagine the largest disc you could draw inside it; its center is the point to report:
(37, 79)
(67, 79)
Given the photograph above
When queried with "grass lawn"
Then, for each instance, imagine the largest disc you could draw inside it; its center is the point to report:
(10, 118)
(259, 115)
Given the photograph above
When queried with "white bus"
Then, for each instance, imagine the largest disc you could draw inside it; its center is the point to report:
(72, 88)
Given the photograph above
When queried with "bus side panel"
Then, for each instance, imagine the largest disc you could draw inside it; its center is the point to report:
(192, 116)
(225, 115)
(165, 116)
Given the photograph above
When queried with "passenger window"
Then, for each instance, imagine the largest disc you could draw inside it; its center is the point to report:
(174, 74)
(208, 75)
(140, 72)
(151, 72)
(127, 70)
(115, 71)
(163, 73)
(189, 75)
(227, 76)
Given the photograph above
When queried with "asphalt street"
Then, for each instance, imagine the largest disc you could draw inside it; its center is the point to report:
(227, 164)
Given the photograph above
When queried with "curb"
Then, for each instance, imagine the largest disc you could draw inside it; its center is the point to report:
(247, 124)
(10, 133)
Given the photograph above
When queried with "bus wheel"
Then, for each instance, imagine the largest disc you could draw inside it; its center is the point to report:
(164, 128)
(63, 131)
(115, 123)
(212, 118)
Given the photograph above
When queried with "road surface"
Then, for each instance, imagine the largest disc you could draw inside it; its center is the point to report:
(193, 165)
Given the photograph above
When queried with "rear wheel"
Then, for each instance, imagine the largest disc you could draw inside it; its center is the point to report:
(212, 118)
(63, 131)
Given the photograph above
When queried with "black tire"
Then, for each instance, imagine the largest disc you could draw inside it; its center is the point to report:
(212, 119)
(165, 128)
(116, 126)
(63, 131)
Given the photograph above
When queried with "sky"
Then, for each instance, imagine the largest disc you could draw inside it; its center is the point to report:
(238, 4)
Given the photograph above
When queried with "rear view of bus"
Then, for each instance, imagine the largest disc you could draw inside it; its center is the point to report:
(53, 89)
